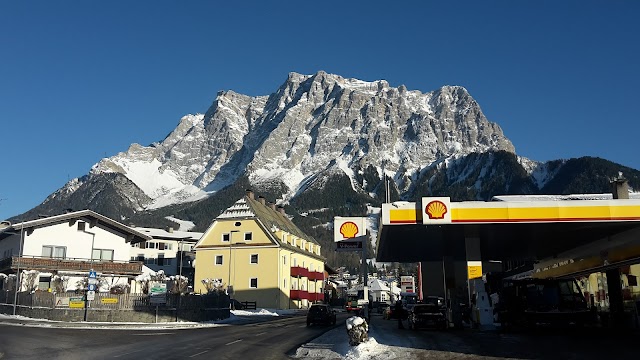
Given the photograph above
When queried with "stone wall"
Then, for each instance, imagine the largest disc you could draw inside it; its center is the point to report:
(105, 315)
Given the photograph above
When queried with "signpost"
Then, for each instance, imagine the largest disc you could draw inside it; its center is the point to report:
(350, 234)
(158, 296)
(92, 281)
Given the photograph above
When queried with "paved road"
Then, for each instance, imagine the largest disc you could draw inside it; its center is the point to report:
(275, 339)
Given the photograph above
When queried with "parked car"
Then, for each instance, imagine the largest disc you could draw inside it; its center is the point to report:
(321, 314)
(430, 313)
(382, 308)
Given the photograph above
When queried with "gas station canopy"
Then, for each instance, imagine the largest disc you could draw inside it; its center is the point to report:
(553, 232)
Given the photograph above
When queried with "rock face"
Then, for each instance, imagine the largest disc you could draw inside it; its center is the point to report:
(310, 124)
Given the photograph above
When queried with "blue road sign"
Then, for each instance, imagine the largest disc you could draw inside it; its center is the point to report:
(93, 275)
(92, 287)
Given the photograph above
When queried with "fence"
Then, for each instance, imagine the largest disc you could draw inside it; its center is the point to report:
(108, 301)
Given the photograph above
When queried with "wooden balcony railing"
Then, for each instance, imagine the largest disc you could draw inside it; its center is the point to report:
(52, 264)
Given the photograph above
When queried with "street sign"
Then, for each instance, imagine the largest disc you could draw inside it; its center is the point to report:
(92, 287)
(93, 275)
(109, 300)
(349, 245)
(158, 294)
(92, 281)
(91, 295)
(76, 303)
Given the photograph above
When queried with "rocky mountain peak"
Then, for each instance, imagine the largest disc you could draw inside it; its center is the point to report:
(309, 125)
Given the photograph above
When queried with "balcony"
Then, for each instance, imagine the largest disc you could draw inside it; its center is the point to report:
(299, 295)
(316, 275)
(297, 271)
(316, 297)
(51, 264)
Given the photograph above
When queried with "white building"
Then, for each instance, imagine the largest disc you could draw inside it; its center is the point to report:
(168, 250)
(70, 245)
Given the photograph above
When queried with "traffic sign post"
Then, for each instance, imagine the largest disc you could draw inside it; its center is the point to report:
(92, 281)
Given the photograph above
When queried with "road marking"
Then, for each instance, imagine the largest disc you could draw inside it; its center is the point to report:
(262, 333)
(200, 353)
(151, 334)
(131, 352)
(233, 342)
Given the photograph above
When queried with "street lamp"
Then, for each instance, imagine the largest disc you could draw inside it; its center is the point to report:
(230, 287)
(18, 279)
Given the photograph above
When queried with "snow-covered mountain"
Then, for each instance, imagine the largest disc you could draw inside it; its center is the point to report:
(322, 145)
(309, 125)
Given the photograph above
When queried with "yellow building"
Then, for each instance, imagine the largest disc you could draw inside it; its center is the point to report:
(255, 249)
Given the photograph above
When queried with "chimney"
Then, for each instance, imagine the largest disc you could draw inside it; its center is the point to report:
(170, 229)
(281, 210)
(261, 199)
(272, 206)
(620, 187)
(250, 194)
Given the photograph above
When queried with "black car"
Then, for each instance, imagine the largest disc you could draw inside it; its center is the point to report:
(430, 313)
(321, 314)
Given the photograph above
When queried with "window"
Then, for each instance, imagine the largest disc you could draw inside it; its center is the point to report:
(226, 237)
(218, 259)
(44, 282)
(168, 246)
(295, 262)
(161, 261)
(57, 252)
(284, 260)
(102, 254)
(248, 236)
(140, 257)
(285, 283)
(254, 283)
(254, 258)
(150, 261)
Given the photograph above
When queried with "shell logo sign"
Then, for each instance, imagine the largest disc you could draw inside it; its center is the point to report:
(349, 230)
(436, 210)
(345, 228)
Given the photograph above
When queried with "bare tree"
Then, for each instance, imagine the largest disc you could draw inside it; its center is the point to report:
(213, 285)
(179, 284)
(29, 280)
(60, 283)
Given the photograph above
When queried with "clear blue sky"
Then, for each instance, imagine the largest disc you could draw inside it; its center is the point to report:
(81, 80)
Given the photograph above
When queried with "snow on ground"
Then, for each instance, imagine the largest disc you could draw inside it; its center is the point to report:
(334, 344)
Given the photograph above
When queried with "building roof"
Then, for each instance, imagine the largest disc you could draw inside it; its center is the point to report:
(94, 219)
(248, 207)
(165, 234)
(606, 196)
(270, 219)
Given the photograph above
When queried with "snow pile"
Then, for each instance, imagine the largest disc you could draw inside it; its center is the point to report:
(354, 321)
(255, 312)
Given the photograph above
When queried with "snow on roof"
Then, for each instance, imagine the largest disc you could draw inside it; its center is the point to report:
(559, 197)
(238, 210)
(167, 235)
